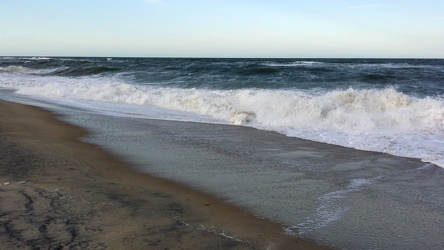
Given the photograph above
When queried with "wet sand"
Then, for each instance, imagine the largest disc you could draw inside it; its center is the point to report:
(57, 192)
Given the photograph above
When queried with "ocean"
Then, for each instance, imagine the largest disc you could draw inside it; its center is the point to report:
(348, 152)
(394, 106)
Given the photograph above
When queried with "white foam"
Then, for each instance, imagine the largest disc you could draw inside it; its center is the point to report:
(378, 120)
(346, 65)
(36, 58)
(329, 211)
(26, 70)
(292, 64)
(330, 208)
(15, 69)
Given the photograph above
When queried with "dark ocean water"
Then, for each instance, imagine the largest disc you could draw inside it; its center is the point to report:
(417, 77)
(388, 105)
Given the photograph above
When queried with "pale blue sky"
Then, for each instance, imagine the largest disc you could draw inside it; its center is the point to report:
(223, 28)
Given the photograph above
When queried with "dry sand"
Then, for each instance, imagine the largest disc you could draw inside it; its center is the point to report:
(57, 193)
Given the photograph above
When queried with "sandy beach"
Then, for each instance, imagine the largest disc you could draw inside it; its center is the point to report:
(57, 192)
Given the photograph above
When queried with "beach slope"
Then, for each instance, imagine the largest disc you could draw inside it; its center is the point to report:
(58, 192)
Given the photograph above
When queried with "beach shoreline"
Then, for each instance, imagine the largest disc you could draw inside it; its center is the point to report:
(57, 191)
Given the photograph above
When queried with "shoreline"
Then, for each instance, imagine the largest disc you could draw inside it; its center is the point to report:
(62, 192)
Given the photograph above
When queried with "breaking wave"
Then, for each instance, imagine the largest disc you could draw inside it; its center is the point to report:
(29, 71)
(60, 71)
(84, 71)
(394, 106)
(382, 120)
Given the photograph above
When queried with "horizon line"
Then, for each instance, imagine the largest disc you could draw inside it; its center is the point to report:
(221, 57)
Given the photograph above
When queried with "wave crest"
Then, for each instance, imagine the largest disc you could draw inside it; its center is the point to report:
(350, 110)
(379, 120)
(25, 70)
(84, 71)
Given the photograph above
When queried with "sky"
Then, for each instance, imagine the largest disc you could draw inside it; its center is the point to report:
(223, 28)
